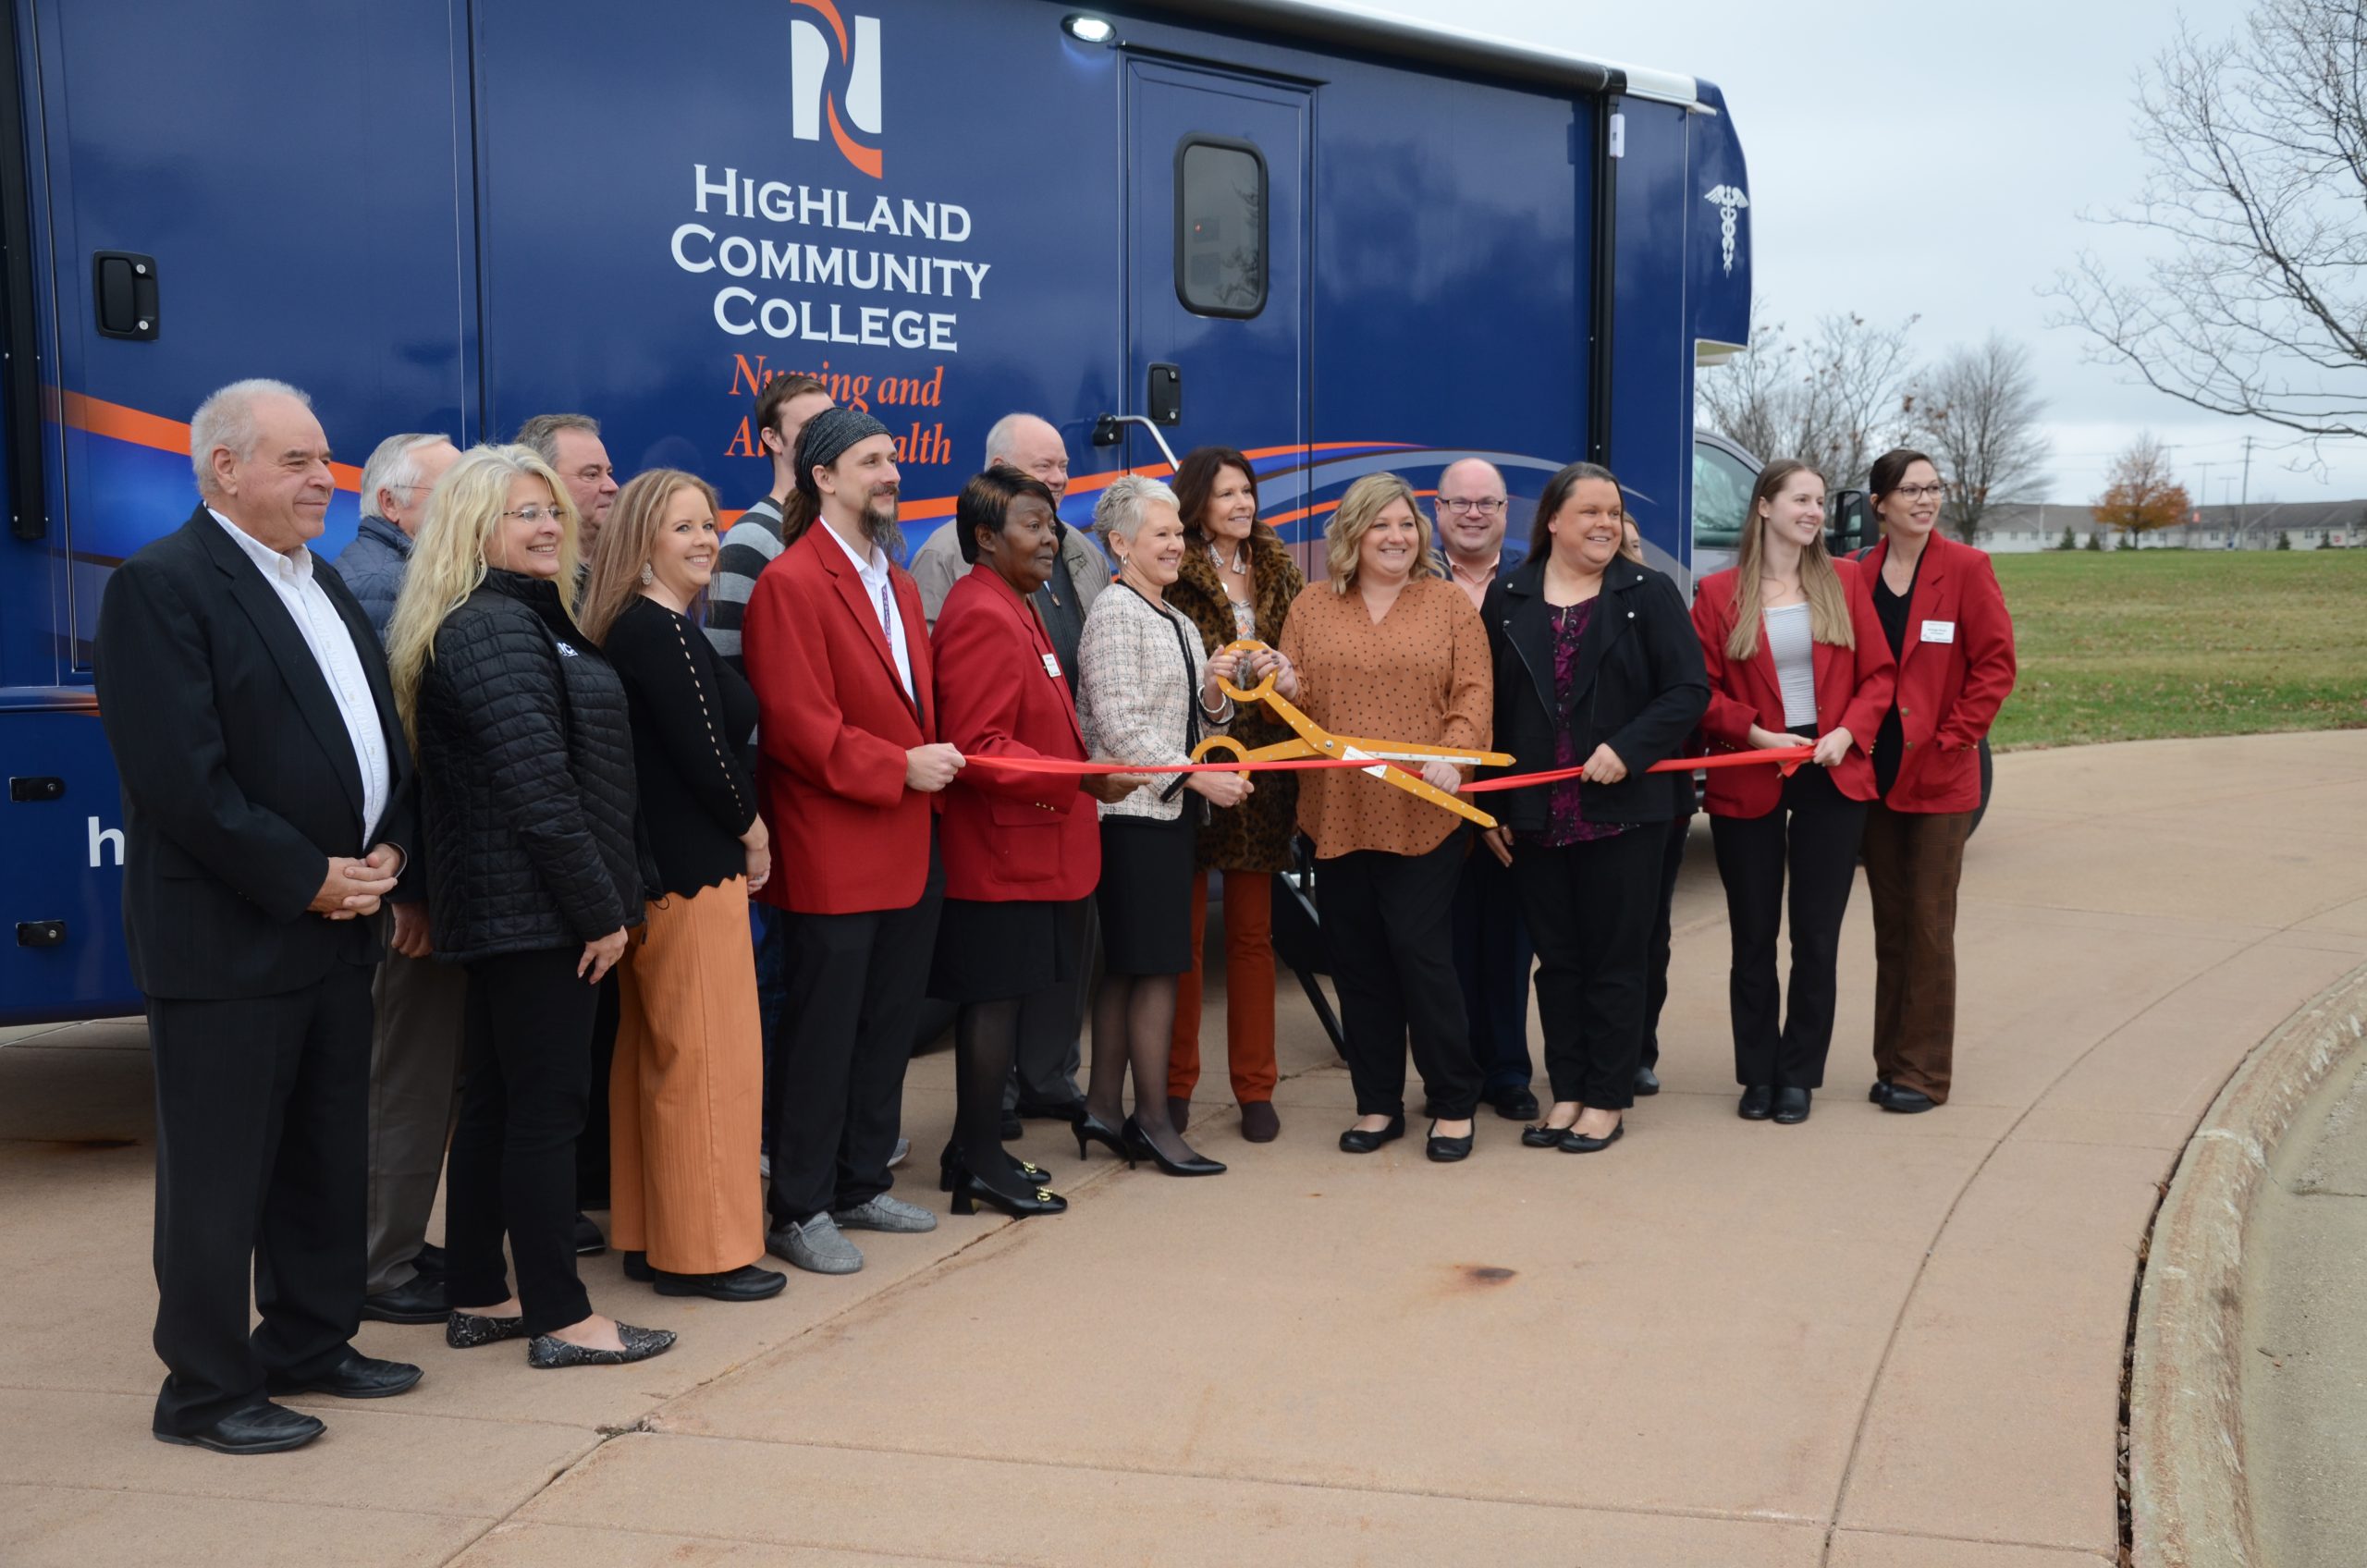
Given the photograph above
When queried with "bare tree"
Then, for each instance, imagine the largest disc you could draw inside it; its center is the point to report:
(2139, 494)
(1834, 399)
(1980, 412)
(2258, 307)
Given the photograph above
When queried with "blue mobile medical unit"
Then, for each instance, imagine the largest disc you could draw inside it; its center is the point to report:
(1338, 242)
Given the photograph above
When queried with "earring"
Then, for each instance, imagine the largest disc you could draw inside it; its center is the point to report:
(648, 575)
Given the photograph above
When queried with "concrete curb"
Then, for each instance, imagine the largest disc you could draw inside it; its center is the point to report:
(2190, 1505)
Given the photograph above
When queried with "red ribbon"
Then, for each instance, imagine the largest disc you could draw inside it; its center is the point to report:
(1786, 757)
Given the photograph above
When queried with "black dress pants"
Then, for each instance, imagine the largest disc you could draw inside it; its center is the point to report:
(1492, 961)
(512, 1166)
(1387, 921)
(1589, 907)
(1812, 835)
(856, 985)
(1656, 984)
(262, 1138)
(591, 1144)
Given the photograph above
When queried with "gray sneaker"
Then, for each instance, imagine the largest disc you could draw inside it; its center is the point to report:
(884, 1213)
(817, 1246)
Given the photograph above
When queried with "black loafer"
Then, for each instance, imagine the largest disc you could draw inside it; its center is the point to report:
(1757, 1103)
(1011, 1128)
(1907, 1102)
(1355, 1142)
(1515, 1104)
(1575, 1142)
(1646, 1081)
(589, 1242)
(417, 1300)
(356, 1377)
(637, 1267)
(1791, 1106)
(1541, 1137)
(429, 1264)
(746, 1282)
(1446, 1151)
(261, 1428)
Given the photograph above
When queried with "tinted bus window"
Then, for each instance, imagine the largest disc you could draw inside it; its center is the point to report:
(1220, 227)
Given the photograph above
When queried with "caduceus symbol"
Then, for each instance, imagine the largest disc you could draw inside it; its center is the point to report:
(1730, 201)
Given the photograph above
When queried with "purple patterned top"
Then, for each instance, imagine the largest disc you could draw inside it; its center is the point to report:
(1565, 823)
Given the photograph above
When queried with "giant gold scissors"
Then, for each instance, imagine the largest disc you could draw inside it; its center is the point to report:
(1313, 741)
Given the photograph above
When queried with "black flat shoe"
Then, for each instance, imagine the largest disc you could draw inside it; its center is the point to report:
(969, 1192)
(637, 1267)
(1791, 1106)
(417, 1300)
(1757, 1103)
(1646, 1081)
(1907, 1102)
(1541, 1137)
(1353, 1142)
(746, 1282)
(547, 1355)
(1446, 1151)
(1051, 1110)
(589, 1242)
(356, 1377)
(466, 1330)
(1515, 1104)
(1140, 1147)
(261, 1428)
(1575, 1142)
(1090, 1129)
(950, 1161)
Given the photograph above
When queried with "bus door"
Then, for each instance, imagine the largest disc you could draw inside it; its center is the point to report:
(1217, 166)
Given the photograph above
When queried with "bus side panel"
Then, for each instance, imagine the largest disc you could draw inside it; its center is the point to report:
(1651, 424)
(61, 934)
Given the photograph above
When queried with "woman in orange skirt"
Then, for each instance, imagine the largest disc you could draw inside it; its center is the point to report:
(685, 1095)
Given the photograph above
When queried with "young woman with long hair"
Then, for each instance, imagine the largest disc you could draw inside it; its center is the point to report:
(1794, 657)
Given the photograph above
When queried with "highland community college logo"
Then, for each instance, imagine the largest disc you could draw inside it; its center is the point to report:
(814, 102)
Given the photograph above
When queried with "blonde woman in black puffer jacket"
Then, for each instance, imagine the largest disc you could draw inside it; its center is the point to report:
(533, 875)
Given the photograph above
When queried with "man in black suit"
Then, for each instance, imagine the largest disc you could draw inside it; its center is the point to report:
(266, 795)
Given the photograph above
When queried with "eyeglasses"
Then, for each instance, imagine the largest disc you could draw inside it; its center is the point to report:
(533, 516)
(1485, 506)
(1921, 492)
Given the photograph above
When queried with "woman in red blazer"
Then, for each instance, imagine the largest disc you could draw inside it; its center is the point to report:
(1942, 615)
(1022, 850)
(1794, 654)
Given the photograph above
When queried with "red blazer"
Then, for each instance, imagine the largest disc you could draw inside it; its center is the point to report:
(1948, 692)
(999, 693)
(833, 726)
(1853, 692)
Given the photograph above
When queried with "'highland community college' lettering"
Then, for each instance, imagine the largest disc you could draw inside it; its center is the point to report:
(697, 248)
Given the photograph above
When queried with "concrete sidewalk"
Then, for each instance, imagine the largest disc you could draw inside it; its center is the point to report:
(1871, 1341)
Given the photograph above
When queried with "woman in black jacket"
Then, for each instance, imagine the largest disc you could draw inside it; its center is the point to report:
(1596, 667)
(533, 875)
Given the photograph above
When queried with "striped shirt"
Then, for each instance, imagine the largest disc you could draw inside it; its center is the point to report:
(748, 548)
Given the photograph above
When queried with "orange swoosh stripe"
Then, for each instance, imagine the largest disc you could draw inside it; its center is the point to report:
(117, 423)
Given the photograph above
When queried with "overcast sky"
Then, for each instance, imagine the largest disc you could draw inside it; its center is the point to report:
(1932, 162)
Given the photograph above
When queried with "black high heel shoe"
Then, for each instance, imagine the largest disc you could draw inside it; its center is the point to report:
(949, 1164)
(1090, 1129)
(969, 1191)
(1139, 1146)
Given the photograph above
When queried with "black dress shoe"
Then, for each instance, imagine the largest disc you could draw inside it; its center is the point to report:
(1791, 1106)
(260, 1428)
(430, 1262)
(1646, 1081)
(589, 1242)
(1757, 1103)
(1012, 1127)
(1907, 1102)
(355, 1376)
(1446, 1151)
(1517, 1102)
(417, 1300)
(637, 1267)
(1051, 1110)
(1575, 1142)
(746, 1282)
(1355, 1142)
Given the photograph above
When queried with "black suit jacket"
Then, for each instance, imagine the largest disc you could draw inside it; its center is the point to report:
(238, 776)
(1638, 686)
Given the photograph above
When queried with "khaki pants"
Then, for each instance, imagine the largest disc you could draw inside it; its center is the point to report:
(1913, 863)
(415, 1090)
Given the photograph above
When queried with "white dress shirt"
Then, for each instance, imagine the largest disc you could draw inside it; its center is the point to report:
(331, 643)
(879, 587)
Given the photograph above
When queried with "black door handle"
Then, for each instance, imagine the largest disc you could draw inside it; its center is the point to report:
(123, 285)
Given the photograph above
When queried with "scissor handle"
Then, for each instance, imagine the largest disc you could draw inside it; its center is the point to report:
(1258, 692)
(1240, 753)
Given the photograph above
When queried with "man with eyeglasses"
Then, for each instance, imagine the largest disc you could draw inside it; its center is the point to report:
(1491, 950)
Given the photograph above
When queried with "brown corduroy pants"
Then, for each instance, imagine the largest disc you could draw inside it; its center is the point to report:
(686, 1092)
(1913, 863)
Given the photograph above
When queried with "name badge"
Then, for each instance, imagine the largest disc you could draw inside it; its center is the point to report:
(1939, 631)
(1051, 667)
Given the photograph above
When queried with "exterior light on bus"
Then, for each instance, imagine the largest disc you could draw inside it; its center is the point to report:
(1087, 29)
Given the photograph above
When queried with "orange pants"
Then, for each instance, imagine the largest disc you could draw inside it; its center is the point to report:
(1248, 989)
(684, 1097)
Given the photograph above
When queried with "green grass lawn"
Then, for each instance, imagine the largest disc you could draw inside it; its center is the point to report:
(2134, 645)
